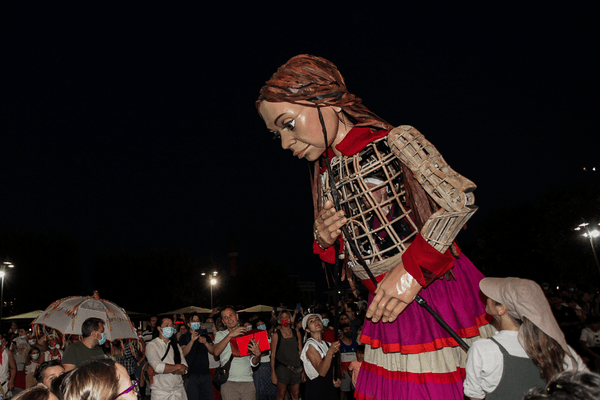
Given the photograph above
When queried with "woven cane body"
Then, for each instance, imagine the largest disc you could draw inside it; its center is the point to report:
(372, 194)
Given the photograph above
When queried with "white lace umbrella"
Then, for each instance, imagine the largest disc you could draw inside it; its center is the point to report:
(67, 315)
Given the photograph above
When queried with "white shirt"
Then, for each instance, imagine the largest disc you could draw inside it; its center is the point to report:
(321, 347)
(241, 368)
(485, 363)
(591, 338)
(165, 386)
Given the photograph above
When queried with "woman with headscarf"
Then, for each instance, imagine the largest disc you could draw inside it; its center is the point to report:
(527, 351)
(317, 356)
(401, 206)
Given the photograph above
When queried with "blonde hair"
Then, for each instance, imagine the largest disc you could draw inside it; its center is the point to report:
(94, 380)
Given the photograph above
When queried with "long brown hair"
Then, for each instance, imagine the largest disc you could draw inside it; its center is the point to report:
(316, 82)
(547, 354)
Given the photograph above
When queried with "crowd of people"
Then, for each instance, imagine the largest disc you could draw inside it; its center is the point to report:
(176, 357)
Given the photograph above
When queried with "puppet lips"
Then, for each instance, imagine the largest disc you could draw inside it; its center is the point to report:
(300, 153)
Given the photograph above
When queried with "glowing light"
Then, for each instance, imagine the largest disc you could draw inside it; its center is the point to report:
(213, 281)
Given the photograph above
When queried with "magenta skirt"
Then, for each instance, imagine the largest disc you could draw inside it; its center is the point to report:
(414, 357)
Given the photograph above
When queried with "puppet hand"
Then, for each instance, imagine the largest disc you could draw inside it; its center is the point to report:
(394, 293)
(328, 225)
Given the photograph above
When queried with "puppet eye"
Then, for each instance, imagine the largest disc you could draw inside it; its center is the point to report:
(290, 125)
(276, 135)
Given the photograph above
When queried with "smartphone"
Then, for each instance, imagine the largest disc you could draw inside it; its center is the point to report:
(298, 307)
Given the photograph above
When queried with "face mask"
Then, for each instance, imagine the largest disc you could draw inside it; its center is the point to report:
(325, 322)
(102, 340)
(168, 332)
(31, 341)
(195, 325)
(348, 334)
(249, 328)
(285, 322)
(35, 356)
(262, 327)
(56, 346)
(23, 337)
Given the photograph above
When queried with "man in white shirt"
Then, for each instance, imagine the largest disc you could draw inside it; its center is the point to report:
(167, 360)
(240, 385)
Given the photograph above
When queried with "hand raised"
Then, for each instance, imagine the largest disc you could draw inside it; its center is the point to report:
(334, 348)
(328, 225)
(394, 293)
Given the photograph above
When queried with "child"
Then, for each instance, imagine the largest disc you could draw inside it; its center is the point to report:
(355, 365)
(590, 341)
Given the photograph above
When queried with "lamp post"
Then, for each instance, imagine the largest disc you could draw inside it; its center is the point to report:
(213, 282)
(5, 264)
(590, 234)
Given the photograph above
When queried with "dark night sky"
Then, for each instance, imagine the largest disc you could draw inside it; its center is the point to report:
(135, 126)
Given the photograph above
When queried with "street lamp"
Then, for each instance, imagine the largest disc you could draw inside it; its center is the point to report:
(7, 263)
(213, 282)
(590, 234)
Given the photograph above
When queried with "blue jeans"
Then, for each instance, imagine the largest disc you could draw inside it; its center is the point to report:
(199, 387)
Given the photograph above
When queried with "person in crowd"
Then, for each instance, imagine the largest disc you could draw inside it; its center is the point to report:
(529, 348)
(34, 360)
(35, 393)
(286, 366)
(196, 348)
(72, 339)
(354, 367)
(92, 332)
(18, 347)
(590, 341)
(328, 331)
(100, 378)
(168, 362)
(240, 384)
(213, 362)
(567, 319)
(568, 385)
(150, 329)
(316, 357)
(348, 354)
(47, 372)
(8, 367)
(265, 389)
(54, 352)
(122, 352)
(14, 329)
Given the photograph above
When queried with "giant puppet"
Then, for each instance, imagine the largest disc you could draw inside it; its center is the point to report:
(400, 206)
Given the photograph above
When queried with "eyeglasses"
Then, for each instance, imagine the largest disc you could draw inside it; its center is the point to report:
(133, 387)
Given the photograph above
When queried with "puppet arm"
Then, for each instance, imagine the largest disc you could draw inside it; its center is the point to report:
(451, 191)
(428, 256)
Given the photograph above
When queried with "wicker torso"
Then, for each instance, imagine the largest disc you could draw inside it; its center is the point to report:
(371, 192)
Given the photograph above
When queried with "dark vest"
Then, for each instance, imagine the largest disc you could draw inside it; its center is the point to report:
(518, 376)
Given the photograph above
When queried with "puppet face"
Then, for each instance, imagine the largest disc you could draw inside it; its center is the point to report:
(300, 129)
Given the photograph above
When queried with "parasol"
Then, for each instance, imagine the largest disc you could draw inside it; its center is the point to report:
(67, 315)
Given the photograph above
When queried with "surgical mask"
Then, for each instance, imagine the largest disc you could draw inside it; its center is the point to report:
(249, 328)
(32, 341)
(195, 325)
(35, 356)
(102, 339)
(348, 334)
(325, 321)
(168, 332)
(56, 346)
(22, 337)
(262, 327)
